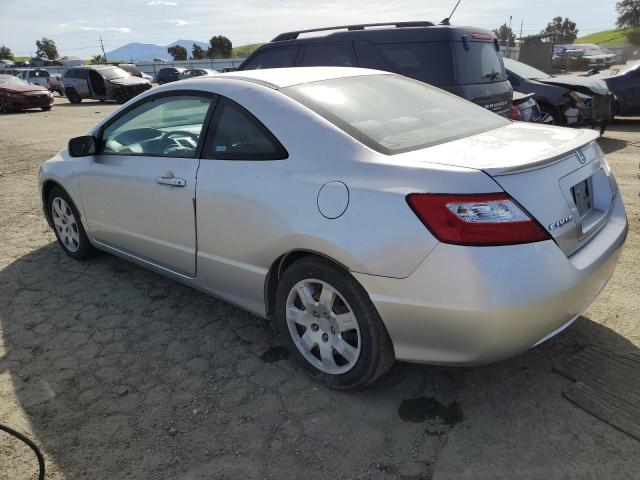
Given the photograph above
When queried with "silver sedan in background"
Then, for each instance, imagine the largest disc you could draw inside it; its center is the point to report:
(372, 217)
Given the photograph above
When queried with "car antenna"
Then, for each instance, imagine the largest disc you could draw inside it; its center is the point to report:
(446, 21)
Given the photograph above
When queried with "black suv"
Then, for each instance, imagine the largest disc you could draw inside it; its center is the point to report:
(465, 61)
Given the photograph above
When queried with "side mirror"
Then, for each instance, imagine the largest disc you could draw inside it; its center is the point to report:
(82, 146)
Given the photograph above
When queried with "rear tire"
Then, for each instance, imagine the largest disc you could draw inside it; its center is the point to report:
(335, 332)
(67, 225)
(73, 96)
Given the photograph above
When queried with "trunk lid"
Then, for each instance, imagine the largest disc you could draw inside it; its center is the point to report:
(557, 174)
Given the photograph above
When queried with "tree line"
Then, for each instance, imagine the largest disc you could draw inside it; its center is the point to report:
(565, 31)
(219, 47)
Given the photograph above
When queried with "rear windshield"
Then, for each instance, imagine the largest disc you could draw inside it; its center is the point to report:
(481, 63)
(393, 114)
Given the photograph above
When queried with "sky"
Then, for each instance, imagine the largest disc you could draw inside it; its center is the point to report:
(77, 25)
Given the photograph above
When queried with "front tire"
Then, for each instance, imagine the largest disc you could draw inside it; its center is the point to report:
(73, 96)
(330, 324)
(4, 106)
(67, 225)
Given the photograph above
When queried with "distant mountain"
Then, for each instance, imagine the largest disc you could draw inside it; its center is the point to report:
(149, 51)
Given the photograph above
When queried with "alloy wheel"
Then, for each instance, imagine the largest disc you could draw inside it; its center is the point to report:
(323, 326)
(4, 107)
(65, 224)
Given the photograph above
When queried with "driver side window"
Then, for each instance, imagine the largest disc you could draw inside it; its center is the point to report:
(169, 126)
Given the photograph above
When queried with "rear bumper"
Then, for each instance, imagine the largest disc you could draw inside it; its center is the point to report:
(474, 305)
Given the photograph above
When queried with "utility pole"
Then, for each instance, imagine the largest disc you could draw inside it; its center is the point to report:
(509, 37)
(104, 55)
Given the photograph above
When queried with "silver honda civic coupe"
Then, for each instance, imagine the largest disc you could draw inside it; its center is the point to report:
(372, 217)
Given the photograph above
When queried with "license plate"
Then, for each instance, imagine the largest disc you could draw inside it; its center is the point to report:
(583, 196)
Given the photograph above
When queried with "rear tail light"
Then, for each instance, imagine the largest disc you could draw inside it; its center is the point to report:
(481, 36)
(478, 219)
(515, 114)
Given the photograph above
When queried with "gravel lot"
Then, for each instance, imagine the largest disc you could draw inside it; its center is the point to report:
(118, 373)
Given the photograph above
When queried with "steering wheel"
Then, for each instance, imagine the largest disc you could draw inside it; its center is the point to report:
(182, 134)
(176, 145)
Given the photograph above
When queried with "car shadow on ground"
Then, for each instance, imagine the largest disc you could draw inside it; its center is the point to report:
(123, 373)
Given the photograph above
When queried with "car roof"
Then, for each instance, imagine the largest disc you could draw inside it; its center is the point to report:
(285, 77)
(94, 67)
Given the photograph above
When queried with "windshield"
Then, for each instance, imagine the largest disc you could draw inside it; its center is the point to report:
(393, 114)
(8, 81)
(525, 71)
(481, 63)
(115, 72)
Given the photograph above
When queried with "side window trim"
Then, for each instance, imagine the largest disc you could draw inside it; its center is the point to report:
(213, 125)
(173, 93)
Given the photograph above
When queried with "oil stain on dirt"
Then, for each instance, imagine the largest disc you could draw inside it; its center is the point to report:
(417, 410)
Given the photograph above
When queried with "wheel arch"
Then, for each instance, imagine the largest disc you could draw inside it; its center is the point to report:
(47, 186)
(283, 262)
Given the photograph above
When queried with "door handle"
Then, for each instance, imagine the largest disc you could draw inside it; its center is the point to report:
(169, 179)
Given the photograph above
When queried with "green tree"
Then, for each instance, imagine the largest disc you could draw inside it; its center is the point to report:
(628, 13)
(46, 48)
(96, 59)
(220, 47)
(177, 52)
(565, 31)
(5, 53)
(505, 34)
(197, 52)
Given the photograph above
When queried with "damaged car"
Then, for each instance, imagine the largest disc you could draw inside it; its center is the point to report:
(102, 82)
(624, 83)
(568, 100)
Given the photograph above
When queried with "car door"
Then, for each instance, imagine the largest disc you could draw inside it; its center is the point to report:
(139, 191)
(81, 82)
(240, 159)
(631, 89)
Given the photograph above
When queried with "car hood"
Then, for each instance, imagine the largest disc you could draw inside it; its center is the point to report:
(577, 82)
(126, 81)
(515, 147)
(24, 88)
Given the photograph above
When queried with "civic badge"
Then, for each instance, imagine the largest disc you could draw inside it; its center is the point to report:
(581, 157)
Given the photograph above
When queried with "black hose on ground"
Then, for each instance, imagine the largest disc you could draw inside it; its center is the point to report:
(31, 445)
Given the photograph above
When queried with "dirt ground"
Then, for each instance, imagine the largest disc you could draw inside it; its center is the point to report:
(119, 373)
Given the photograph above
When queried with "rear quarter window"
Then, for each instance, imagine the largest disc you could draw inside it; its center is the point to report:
(428, 62)
(272, 58)
(329, 55)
